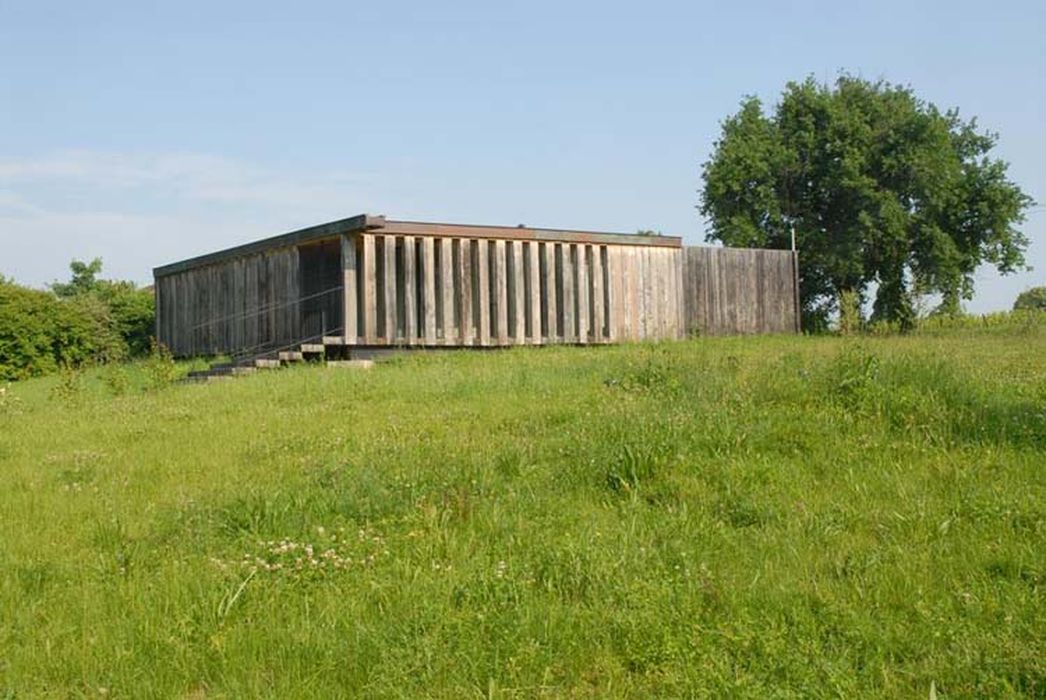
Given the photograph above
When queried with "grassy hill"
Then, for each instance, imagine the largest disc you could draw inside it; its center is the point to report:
(807, 517)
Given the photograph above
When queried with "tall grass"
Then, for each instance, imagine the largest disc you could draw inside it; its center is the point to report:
(787, 517)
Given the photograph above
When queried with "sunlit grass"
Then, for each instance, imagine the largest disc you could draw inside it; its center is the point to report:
(721, 517)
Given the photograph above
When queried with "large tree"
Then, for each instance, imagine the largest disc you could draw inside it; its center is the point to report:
(881, 188)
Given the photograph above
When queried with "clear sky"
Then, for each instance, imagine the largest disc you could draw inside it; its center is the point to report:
(148, 132)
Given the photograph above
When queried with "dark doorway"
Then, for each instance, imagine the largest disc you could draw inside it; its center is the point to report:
(321, 289)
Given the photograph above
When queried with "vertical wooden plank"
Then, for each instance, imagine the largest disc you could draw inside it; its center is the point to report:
(463, 291)
(625, 311)
(584, 306)
(598, 315)
(649, 294)
(656, 289)
(662, 289)
(348, 289)
(534, 292)
(500, 295)
(551, 293)
(370, 292)
(681, 301)
(569, 301)
(446, 292)
(428, 295)
(481, 300)
(410, 299)
(617, 293)
(671, 260)
(390, 289)
(648, 320)
(519, 296)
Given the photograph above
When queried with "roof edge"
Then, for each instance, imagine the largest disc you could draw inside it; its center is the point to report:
(368, 222)
(360, 222)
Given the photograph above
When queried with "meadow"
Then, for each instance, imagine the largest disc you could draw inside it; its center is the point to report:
(724, 517)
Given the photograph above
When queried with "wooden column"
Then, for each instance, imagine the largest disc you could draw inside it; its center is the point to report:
(481, 299)
(499, 292)
(551, 295)
(519, 295)
(348, 284)
(584, 307)
(370, 292)
(616, 276)
(390, 289)
(568, 301)
(598, 315)
(533, 291)
(446, 273)
(410, 300)
(428, 296)
(463, 291)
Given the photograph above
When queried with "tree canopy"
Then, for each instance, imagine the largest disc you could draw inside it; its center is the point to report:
(883, 190)
(1033, 299)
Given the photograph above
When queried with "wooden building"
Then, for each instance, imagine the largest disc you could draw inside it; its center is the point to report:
(373, 282)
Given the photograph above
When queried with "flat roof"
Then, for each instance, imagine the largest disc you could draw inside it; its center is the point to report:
(382, 226)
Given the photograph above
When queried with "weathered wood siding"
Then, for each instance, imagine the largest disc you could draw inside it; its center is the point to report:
(463, 291)
(731, 291)
(231, 306)
(375, 282)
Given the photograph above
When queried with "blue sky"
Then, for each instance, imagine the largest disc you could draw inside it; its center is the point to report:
(145, 133)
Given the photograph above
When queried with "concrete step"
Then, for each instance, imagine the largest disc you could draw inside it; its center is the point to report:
(351, 364)
(312, 348)
(266, 363)
(290, 356)
(334, 340)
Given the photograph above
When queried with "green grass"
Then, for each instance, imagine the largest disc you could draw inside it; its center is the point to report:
(771, 517)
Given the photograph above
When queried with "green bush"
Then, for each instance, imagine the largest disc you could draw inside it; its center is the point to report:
(40, 333)
(1033, 299)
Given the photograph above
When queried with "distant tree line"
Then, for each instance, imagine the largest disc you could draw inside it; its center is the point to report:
(84, 321)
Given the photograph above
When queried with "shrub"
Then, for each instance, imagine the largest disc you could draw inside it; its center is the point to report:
(1033, 299)
(160, 367)
(850, 321)
(84, 322)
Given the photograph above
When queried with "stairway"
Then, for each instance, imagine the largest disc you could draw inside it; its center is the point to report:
(332, 351)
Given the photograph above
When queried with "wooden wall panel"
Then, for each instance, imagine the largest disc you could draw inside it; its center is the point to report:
(582, 258)
(460, 291)
(533, 291)
(567, 263)
(596, 273)
(216, 308)
(388, 291)
(428, 293)
(499, 294)
(463, 287)
(551, 292)
(451, 333)
(349, 271)
(738, 291)
(409, 305)
(481, 288)
(517, 301)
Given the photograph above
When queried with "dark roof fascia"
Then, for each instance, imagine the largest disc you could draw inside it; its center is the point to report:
(525, 233)
(361, 222)
(368, 222)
